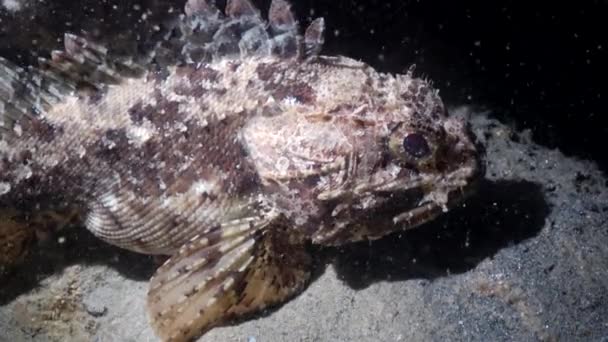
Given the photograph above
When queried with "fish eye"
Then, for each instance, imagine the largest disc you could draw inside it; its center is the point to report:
(416, 145)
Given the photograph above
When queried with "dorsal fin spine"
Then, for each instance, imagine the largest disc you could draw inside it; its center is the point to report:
(207, 34)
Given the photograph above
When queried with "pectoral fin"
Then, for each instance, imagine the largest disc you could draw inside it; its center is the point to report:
(225, 274)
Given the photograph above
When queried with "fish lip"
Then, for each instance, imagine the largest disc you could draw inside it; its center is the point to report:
(453, 195)
(427, 210)
(418, 191)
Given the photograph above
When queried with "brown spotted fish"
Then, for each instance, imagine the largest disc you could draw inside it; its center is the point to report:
(230, 158)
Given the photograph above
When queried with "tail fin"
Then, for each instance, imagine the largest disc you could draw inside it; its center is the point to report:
(225, 274)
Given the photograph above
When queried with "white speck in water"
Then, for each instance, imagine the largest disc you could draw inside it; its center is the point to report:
(4, 188)
(110, 201)
(25, 172)
(290, 101)
(139, 135)
(202, 187)
(11, 5)
(17, 129)
(81, 151)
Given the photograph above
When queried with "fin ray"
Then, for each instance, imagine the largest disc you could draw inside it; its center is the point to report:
(82, 64)
(211, 282)
(206, 34)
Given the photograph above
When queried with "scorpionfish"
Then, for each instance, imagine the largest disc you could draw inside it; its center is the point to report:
(231, 148)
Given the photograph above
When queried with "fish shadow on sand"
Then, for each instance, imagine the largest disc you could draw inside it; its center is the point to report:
(501, 214)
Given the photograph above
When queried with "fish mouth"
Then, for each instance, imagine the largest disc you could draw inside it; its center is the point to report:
(396, 205)
(430, 206)
(397, 199)
(422, 198)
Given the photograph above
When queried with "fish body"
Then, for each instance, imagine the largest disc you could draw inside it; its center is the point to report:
(230, 158)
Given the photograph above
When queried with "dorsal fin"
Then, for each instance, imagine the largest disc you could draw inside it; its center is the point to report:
(28, 92)
(203, 34)
(200, 8)
(241, 8)
(83, 61)
(313, 37)
(206, 34)
(281, 18)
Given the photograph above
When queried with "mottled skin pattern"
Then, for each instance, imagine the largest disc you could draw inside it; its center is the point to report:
(232, 166)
